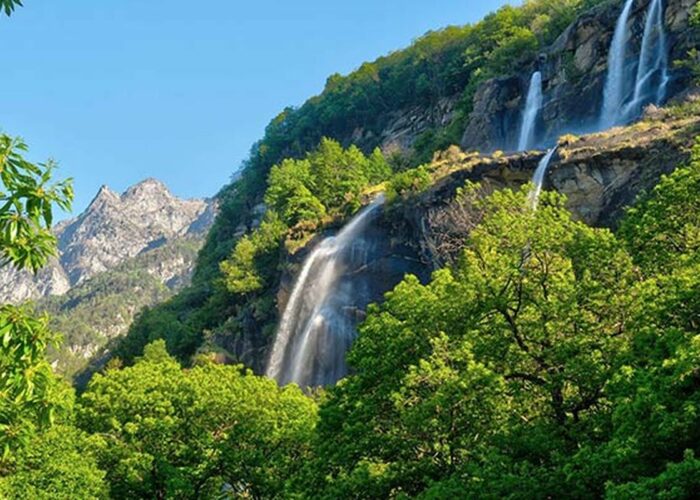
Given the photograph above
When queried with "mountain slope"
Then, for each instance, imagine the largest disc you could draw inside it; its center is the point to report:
(101, 308)
(112, 229)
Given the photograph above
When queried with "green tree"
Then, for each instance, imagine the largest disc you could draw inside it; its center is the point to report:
(499, 363)
(8, 6)
(26, 206)
(29, 392)
(253, 259)
(662, 229)
(58, 464)
(653, 394)
(289, 192)
(168, 432)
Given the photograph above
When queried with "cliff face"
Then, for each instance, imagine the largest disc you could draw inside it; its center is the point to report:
(405, 126)
(113, 229)
(600, 174)
(573, 70)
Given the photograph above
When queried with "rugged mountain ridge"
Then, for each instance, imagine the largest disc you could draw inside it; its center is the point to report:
(113, 229)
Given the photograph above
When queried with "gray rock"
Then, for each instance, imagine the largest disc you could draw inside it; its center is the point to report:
(113, 229)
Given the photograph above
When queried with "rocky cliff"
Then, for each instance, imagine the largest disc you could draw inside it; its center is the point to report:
(573, 69)
(113, 229)
(600, 174)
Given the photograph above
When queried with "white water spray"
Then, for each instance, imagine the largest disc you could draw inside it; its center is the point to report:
(629, 88)
(533, 105)
(538, 178)
(652, 71)
(614, 94)
(318, 324)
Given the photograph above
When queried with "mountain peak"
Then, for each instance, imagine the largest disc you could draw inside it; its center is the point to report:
(147, 188)
(104, 195)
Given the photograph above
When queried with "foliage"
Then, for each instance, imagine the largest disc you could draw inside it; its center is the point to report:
(57, 465)
(666, 222)
(522, 333)
(8, 6)
(165, 432)
(252, 256)
(29, 393)
(542, 362)
(408, 182)
(328, 179)
(26, 199)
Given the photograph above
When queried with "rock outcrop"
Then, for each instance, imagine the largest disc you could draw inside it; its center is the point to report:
(600, 174)
(113, 229)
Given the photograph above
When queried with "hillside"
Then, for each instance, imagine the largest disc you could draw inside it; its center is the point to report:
(568, 45)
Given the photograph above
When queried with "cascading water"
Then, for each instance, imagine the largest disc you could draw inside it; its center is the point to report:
(318, 325)
(538, 178)
(533, 105)
(629, 88)
(652, 70)
(615, 89)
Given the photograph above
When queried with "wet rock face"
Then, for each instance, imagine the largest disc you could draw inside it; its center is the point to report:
(574, 69)
(390, 256)
(112, 229)
(494, 123)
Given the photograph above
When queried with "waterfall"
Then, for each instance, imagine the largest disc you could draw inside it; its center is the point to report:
(318, 325)
(533, 104)
(652, 70)
(538, 178)
(627, 91)
(614, 93)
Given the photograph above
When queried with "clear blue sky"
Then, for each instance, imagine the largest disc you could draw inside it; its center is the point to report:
(121, 90)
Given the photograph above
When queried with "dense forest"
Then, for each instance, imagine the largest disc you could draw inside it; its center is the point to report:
(548, 359)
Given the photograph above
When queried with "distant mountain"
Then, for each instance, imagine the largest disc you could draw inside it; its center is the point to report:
(124, 252)
(112, 229)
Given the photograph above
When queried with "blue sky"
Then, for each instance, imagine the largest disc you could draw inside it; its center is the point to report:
(120, 90)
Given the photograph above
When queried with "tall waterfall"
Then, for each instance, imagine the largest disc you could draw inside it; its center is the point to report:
(628, 90)
(533, 104)
(538, 178)
(652, 70)
(319, 325)
(614, 94)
